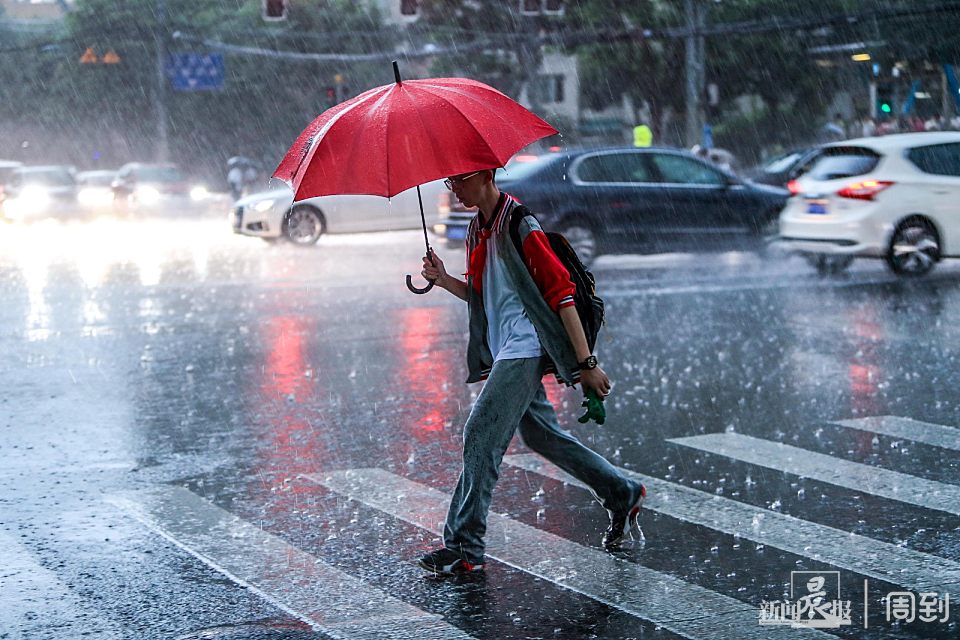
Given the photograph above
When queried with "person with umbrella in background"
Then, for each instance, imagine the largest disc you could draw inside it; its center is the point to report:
(523, 325)
(523, 322)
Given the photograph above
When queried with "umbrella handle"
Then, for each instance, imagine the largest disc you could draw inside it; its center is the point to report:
(414, 289)
(430, 283)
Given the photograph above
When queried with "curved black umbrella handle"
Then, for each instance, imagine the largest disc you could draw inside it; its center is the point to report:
(415, 289)
(430, 283)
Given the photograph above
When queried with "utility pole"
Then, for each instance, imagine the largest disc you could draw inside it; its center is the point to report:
(694, 69)
(162, 152)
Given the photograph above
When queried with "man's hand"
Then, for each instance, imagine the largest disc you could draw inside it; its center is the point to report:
(597, 380)
(434, 271)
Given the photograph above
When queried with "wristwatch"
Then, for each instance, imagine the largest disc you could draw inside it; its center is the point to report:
(589, 363)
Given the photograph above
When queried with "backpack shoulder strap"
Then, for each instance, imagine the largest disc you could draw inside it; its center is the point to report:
(516, 218)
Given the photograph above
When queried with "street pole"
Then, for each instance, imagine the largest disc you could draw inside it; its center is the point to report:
(162, 152)
(694, 70)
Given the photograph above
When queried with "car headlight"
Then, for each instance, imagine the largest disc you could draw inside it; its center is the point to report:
(147, 195)
(93, 196)
(264, 205)
(198, 193)
(30, 200)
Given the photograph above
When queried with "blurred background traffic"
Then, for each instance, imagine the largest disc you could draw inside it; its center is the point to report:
(684, 124)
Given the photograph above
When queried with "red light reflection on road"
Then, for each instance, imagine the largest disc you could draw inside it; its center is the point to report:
(865, 373)
(292, 446)
(285, 366)
(431, 375)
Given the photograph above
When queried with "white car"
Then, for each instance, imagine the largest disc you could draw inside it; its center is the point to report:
(893, 197)
(273, 214)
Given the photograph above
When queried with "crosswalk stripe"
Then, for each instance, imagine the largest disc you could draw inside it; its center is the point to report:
(874, 558)
(292, 580)
(842, 473)
(37, 604)
(669, 602)
(937, 435)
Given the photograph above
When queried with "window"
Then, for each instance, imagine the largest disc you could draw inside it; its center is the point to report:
(409, 7)
(549, 88)
(680, 170)
(782, 163)
(530, 7)
(844, 162)
(553, 6)
(615, 167)
(939, 159)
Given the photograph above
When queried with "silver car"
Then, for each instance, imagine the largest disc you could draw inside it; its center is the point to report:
(273, 214)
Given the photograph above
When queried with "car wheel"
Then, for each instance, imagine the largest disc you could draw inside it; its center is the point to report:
(914, 248)
(827, 265)
(583, 240)
(303, 226)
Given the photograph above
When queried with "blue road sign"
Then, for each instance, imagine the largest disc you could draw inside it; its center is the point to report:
(195, 71)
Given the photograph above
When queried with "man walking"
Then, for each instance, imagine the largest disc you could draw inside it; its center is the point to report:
(523, 324)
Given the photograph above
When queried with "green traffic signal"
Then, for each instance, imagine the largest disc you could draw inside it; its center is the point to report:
(885, 107)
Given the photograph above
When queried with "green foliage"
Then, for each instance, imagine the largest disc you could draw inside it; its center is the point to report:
(78, 111)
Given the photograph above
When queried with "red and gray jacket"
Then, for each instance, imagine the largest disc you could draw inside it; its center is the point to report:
(539, 278)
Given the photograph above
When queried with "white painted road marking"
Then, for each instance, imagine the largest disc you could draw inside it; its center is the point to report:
(842, 473)
(292, 580)
(882, 560)
(37, 604)
(669, 602)
(937, 435)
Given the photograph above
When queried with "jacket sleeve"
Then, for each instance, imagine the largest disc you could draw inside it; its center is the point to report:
(545, 268)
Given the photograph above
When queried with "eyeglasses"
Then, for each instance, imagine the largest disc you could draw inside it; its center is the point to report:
(450, 183)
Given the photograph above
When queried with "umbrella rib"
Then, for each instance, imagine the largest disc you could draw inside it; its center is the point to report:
(318, 136)
(467, 120)
(439, 91)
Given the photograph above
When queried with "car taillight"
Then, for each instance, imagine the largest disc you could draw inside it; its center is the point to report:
(794, 187)
(443, 204)
(866, 190)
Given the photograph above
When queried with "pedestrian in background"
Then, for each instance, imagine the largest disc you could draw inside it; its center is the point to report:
(523, 325)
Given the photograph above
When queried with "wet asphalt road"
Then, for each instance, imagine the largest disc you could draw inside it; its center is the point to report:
(208, 436)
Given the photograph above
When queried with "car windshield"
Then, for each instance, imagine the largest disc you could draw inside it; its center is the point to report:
(844, 162)
(44, 177)
(781, 163)
(159, 174)
(96, 179)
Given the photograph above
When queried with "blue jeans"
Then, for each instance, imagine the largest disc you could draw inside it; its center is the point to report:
(513, 396)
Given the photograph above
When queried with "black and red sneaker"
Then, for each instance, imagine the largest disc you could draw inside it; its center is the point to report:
(623, 522)
(444, 562)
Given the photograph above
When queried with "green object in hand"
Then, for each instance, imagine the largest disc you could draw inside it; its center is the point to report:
(595, 409)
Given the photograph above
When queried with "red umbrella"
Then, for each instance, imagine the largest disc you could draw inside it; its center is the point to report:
(391, 138)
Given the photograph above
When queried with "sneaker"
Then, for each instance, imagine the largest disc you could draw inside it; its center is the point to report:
(444, 562)
(621, 522)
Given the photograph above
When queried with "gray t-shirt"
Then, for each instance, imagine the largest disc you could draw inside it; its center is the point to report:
(510, 334)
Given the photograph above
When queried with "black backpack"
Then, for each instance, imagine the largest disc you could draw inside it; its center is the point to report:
(589, 305)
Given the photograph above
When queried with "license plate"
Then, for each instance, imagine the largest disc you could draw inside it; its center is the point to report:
(817, 207)
(456, 233)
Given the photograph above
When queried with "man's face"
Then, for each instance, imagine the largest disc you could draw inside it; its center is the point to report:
(466, 187)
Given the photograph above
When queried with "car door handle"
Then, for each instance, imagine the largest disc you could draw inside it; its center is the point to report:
(941, 192)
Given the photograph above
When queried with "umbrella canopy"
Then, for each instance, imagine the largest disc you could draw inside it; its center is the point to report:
(394, 137)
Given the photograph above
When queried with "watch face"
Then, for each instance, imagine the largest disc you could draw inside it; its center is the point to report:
(589, 363)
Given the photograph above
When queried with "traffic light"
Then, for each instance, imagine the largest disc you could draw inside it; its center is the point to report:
(274, 10)
(884, 101)
(331, 93)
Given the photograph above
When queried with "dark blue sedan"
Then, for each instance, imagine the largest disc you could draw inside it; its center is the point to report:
(637, 200)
